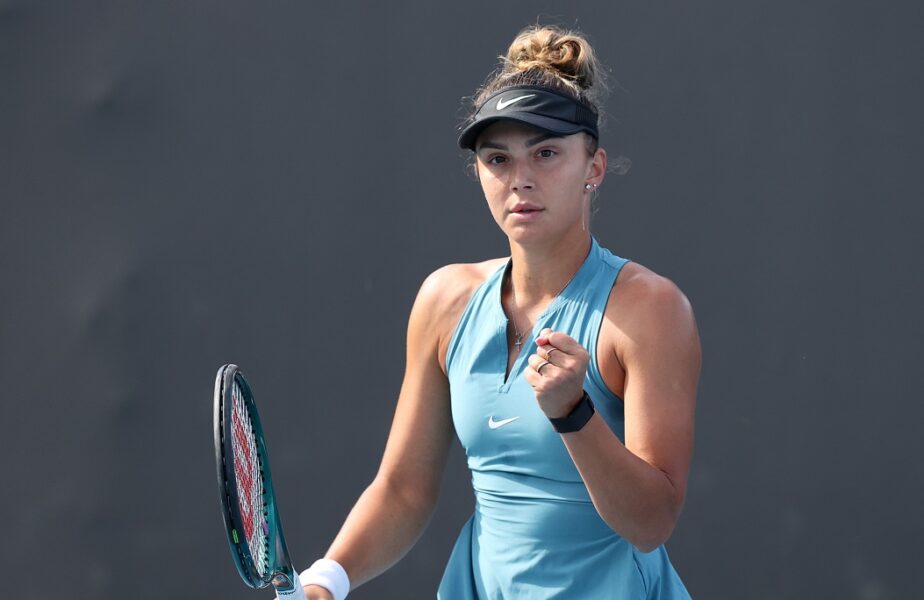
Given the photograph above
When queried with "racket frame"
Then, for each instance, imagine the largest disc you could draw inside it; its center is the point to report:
(279, 572)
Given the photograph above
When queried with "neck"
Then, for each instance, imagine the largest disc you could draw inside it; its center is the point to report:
(538, 273)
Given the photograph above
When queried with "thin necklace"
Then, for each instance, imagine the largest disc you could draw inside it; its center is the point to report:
(519, 336)
(519, 340)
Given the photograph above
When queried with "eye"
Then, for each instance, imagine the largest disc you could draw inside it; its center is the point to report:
(546, 153)
(496, 159)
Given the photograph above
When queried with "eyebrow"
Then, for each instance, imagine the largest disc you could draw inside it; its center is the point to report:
(530, 142)
(540, 138)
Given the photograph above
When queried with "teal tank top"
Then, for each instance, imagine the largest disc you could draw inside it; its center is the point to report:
(535, 533)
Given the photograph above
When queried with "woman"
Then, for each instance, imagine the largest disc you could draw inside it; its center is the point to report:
(569, 374)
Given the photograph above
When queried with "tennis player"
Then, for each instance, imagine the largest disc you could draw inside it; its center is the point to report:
(568, 373)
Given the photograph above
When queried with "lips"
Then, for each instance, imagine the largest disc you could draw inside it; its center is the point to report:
(525, 207)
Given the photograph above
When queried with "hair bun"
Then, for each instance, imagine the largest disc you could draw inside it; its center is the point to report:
(552, 57)
(551, 49)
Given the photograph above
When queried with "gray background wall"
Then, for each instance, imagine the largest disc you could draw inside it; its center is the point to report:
(167, 168)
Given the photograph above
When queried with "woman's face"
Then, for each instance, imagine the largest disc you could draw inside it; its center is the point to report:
(534, 182)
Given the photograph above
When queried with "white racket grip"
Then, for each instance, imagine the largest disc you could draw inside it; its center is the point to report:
(296, 593)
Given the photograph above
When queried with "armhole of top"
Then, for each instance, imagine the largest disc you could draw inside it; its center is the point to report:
(454, 337)
(595, 362)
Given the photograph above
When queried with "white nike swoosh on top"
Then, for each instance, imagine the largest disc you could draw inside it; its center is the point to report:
(502, 104)
(495, 424)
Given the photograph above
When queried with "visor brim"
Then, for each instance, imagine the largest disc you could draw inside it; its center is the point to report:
(469, 135)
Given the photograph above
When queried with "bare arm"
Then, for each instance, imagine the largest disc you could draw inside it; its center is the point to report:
(393, 511)
(637, 487)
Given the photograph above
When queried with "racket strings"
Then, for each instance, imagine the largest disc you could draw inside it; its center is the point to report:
(248, 471)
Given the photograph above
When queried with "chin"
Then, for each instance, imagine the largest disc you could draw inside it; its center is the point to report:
(526, 234)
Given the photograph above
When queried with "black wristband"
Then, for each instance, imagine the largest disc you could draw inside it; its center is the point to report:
(577, 418)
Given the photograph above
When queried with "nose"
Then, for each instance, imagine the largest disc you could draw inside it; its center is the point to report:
(521, 178)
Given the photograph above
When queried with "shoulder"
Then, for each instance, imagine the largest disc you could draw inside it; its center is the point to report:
(446, 288)
(645, 305)
(641, 288)
(449, 288)
(445, 293)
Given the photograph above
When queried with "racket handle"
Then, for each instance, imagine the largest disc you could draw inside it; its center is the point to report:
(296, 593)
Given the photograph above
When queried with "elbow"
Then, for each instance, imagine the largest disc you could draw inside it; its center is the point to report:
(650, 538)
(646, 532)
(654, 527)
(415, 496)
(650, 543)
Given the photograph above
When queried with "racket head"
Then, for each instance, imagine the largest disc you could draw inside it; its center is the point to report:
(246, 487)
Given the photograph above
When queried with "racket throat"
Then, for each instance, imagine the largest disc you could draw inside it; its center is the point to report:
(285, 581)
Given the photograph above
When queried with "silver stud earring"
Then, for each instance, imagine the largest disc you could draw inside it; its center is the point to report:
(588, 187)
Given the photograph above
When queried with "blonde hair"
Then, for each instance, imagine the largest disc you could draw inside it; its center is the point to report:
(551, 57)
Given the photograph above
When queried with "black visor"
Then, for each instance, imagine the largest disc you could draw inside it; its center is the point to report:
(537, 106)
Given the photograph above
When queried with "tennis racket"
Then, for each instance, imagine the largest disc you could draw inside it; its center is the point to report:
(248, 503)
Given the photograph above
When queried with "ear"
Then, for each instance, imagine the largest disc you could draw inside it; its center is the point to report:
(473, 168)
(596, 170)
